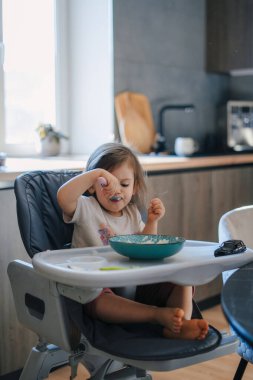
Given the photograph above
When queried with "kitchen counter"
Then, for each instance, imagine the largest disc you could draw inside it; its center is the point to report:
(150, 163)
(173, 163)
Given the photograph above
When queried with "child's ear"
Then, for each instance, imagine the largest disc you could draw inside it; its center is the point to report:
(135, 189)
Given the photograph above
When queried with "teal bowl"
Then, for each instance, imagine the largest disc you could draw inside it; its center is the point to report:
(147, 247)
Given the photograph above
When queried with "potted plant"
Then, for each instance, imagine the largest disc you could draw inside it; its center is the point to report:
(50, 140)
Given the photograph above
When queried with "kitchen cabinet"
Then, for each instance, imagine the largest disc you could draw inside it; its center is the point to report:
(16, 341)
(195, 201)
(229, 35)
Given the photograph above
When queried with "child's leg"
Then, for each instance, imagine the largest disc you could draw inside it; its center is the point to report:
(111, 308)
(166, 294)
(173, 296)
(181, 296)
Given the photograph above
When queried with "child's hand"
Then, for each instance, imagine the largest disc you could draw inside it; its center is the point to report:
(156, 210)
(109, 184)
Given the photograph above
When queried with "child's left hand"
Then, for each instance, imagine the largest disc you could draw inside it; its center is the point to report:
(156, 210)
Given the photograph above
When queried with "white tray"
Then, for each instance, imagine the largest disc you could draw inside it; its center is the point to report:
(99, 267)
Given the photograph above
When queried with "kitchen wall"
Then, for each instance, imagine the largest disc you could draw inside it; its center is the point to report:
(159, 50)
(241, 88)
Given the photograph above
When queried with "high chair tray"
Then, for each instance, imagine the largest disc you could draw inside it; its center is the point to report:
(99, 267)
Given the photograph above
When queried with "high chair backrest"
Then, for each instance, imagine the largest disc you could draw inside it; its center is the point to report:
(39, 215)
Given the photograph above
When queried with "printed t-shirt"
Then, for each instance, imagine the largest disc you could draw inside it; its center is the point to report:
(94, 225)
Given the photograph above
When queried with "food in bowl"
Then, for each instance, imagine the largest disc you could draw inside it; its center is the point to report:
(147, 247)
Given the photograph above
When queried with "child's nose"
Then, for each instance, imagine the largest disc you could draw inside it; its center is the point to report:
(118, 189)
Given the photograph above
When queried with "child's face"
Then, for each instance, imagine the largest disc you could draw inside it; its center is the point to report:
(125, 175)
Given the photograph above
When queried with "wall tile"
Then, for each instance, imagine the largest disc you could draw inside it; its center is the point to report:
(159, 50)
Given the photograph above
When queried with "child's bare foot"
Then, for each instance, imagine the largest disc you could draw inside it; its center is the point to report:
(171, 318)
(190, 329)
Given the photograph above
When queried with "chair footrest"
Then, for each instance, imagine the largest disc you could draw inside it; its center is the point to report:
(228, 345)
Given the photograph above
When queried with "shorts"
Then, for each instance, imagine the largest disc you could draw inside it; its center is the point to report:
(154, 294)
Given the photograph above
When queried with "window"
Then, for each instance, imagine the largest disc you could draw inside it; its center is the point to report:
(27, 80)
(58, 69)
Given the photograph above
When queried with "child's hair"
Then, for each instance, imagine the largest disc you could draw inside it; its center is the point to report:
(110, 155)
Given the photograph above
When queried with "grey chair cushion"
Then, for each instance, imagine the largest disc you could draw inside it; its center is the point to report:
(140, 341)
(39, 215)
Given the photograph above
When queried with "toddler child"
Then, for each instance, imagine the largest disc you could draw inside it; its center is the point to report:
(114, 187)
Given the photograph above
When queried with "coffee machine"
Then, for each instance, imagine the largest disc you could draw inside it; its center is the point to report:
(239, 125)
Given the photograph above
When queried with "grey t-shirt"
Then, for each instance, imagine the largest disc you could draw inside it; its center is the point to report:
(94, 225)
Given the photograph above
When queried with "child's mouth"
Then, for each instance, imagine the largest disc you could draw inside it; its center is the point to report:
(115, 198)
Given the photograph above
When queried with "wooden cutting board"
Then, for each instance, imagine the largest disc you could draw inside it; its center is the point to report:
(135, 121)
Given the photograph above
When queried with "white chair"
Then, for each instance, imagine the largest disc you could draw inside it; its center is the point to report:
(238, 224)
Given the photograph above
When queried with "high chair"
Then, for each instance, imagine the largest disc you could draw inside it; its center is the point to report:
(54, 311)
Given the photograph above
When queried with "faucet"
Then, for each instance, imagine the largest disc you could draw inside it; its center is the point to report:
(166, 107)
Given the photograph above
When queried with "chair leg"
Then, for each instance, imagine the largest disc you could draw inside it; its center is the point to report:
(240, 369)
(41, 360)
(125, 373)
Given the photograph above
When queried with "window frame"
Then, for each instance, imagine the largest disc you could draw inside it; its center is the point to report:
(1, 85)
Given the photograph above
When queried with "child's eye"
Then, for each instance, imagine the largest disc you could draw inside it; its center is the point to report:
(125, 184)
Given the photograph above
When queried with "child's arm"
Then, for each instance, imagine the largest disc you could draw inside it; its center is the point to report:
(156, 211)
(70, 191)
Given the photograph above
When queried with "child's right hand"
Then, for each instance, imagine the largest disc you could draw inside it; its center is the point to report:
(109, 184)
(102, 181)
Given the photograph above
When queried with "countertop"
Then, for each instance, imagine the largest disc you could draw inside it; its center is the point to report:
(150, 163)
